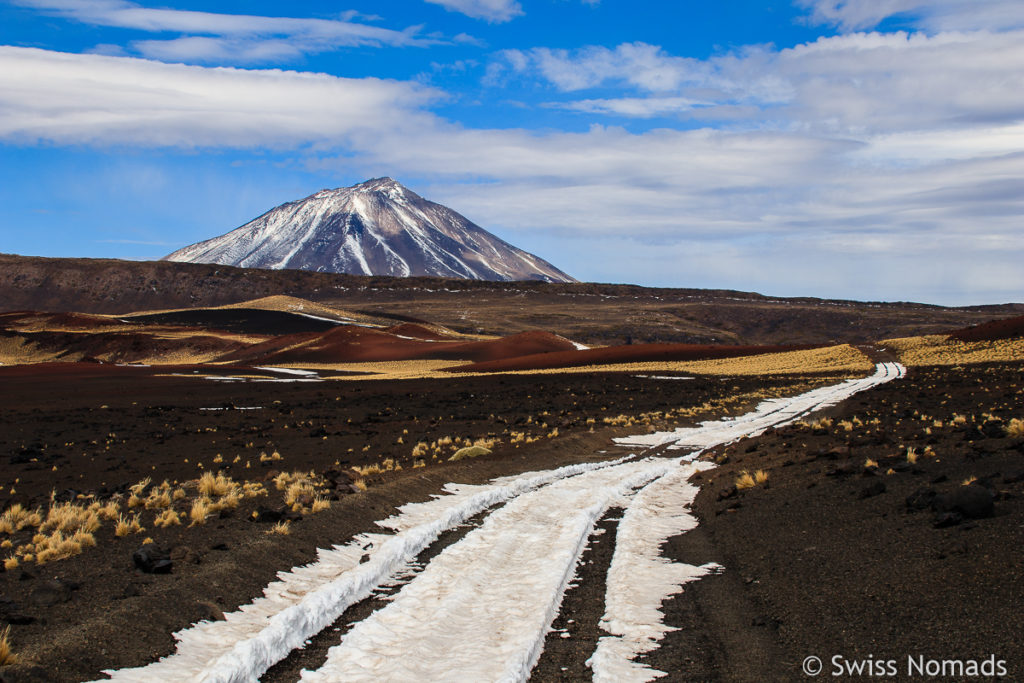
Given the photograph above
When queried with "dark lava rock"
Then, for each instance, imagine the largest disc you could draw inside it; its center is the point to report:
(843, 469)
(947, 519)
(152, 560)
(921, 499)
(993, 429)
(873, 489)
(973, 502)
(725, 494)
(266, 515)
(1014, 478)
(53, 592)
(11, 612)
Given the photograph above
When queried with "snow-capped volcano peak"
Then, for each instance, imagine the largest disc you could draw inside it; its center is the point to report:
(378, 227)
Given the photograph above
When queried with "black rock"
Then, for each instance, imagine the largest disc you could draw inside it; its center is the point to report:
(902, 466)
(947, 519)
(266, 515)
(50, 593)
(873, 489)
(725, 494)
(921, 499)
(993, 429)
(152, 560)
(843, 469)
(973, 502)
(1014, 478)
(11, 613)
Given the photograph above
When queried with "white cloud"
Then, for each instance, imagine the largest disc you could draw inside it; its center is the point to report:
(874, 165)
(94, 99)
(231, 38)
(932, 15)
(638, 107)
(850, 85)
(646, 67)
(495, 11)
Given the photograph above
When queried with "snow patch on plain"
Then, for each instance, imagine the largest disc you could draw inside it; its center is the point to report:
(308, 599)
(481, 609)
(774, 412)
(640, 579)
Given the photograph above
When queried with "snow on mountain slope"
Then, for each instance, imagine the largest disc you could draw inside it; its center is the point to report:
(378, 227)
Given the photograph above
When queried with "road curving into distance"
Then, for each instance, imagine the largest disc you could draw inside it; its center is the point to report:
(481, 609)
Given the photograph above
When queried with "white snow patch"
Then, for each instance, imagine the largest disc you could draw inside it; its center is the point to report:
(771, 413)
(491, 597)
(235, 408)
(640, 579)
(308, 599)
(288, 371)
(340, 320)
(660, 377)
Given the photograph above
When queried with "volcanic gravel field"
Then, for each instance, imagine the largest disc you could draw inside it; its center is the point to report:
(90, 430)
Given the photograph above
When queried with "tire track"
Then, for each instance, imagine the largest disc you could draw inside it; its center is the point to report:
(482, 606)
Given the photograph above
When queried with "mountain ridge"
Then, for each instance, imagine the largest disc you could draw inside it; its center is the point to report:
(377, 227)
(592, 313)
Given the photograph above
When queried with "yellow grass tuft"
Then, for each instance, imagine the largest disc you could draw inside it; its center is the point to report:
(201, 509)
(941, 350)
(745, 481)
(320, 504)
(137, 489)
(70, 517)
(58, 546)
(869, 463)
(7, 656)
(969, 480)
(1015, 428)
(127, 526)
(167, 518)
(761, 477)
(216, 485)
(16, 518)
(283, 528)
(469, 452)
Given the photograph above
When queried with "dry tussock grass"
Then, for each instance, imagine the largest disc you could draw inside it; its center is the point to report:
(840, 358)
(7, 656)
(128, 525)
(19, 351)
(940, 350)
(16, 518)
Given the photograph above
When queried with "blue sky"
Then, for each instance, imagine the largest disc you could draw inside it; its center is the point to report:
(866, 149)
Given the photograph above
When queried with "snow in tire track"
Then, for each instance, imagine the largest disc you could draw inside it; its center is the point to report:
(480, 610)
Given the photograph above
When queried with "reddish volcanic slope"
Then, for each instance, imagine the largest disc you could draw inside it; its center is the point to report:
(350, 344)
(997, 329)
(636, 353)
